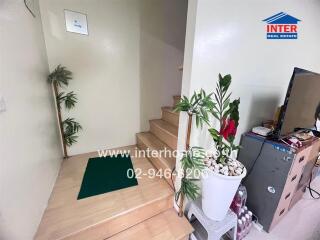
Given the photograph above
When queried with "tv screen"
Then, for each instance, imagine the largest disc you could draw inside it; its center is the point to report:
(301, 102)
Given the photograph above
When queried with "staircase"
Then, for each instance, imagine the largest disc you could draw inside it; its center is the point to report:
(163, 135)
(142, 212)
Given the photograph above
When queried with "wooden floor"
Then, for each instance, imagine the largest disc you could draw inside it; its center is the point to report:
(104, 215)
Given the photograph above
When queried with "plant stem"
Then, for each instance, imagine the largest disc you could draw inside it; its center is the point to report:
(184, 170)
(181, 205)
(189, 131)
(56, 93)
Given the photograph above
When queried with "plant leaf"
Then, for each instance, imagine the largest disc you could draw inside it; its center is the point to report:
(60, 76)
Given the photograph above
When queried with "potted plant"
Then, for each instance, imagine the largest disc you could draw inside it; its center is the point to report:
(222, 174)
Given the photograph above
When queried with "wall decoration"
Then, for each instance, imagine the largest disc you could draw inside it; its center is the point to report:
(76, 22)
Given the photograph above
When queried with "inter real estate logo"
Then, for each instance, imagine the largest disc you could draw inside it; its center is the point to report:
(282, 26)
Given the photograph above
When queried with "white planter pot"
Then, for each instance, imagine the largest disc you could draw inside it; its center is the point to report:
(218, 192)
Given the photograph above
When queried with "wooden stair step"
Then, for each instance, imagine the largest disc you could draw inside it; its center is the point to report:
(176, 99)
(101, 216)
(164, 162)
(170, 116)
(164, 226)
(166, 132)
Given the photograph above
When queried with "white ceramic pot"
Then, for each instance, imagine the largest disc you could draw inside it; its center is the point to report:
(218, 192)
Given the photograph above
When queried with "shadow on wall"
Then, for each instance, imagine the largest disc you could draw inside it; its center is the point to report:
(162, 35)
(261, 108)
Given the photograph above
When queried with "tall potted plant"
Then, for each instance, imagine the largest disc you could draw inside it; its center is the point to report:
(222, 174)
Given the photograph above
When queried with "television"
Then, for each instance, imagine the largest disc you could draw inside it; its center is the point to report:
(301, 103)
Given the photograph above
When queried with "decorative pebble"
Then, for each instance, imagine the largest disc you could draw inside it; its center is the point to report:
(225, 168)
(231, 168)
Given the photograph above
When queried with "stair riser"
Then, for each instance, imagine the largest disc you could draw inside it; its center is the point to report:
(155, 161)
(164, 136)
(109, 228)
(170, 117)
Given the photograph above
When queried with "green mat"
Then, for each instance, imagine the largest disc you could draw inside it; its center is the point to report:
(107, 174)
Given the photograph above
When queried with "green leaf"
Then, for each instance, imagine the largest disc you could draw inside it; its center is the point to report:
(61, 76)
(193, 158)
(224, 82)
(215, 114)
(70, 139)
(190, 189)
(201, 121)
(60, 99)
(200, 104)
(215, 135)
(197, 120)
(226, 104)
(71, 126)
(183, 106)
(205, 115)
(217, 99)
(193, 98)
(70, 100)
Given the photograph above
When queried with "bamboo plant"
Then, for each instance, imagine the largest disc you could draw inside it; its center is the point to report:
(69, 127)
(199, 106)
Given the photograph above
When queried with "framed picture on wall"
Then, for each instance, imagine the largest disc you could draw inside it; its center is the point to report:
(76, 22)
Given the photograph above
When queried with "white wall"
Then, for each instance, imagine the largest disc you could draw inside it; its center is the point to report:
(163, 25)
(29, 145)
(229, 37)
(124, 71)
(105, 65)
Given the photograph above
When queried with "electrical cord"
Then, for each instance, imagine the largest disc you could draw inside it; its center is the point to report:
(255, 161)
(311, 190)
